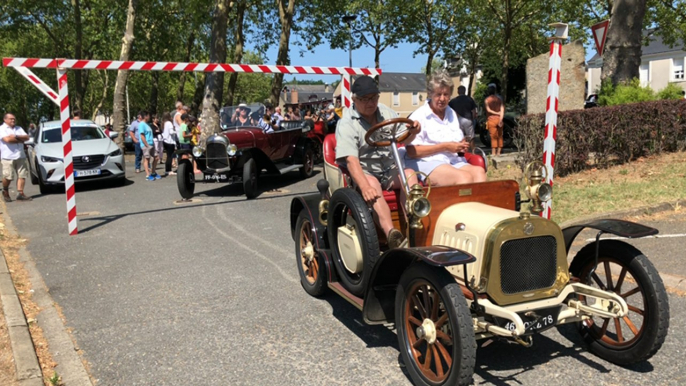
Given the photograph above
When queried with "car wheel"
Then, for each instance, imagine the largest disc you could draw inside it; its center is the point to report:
(250, 179)
(310, 268)
(434, 327)
(348, 210)
(625, 271)
(185, 179)
(307, 169)
(34, 177)
(43, 187)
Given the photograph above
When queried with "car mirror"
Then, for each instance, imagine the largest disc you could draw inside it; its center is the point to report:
(113, 134)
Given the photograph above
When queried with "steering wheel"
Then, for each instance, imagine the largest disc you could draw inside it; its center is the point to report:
(377, 137)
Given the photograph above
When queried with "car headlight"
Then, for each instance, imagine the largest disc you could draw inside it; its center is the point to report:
(197, 151)
(231, 150)
(115, 153)
(544, 192)
(45, 158)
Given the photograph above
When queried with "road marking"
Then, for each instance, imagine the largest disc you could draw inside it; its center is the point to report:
(648, 237)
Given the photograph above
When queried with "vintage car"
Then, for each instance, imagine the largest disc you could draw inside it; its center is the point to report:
(239, 154)
(480, 264)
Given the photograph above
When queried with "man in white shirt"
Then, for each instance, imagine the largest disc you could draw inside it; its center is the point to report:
(12, 140)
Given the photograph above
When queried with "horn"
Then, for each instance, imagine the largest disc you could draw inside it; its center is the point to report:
(323, 211)
(419, 208)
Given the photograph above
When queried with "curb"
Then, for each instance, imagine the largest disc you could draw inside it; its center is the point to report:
(25, 359)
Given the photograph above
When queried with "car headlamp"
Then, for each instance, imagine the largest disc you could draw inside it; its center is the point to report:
(45, 158)
(115, 153)
(544, 192)
(231, 150)
(197, 151)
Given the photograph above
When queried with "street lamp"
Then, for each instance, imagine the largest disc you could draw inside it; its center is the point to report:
(349, 19)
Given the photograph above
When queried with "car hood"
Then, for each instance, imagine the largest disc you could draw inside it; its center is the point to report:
(90, 147)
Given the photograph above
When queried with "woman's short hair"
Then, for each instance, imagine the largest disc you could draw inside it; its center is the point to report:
(439, 79)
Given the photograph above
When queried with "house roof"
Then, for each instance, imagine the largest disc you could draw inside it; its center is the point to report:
(655, 46)
(401, 82)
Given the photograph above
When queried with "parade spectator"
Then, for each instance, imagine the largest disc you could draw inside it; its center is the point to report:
(277, 117)
(148, 150)
(436, 150)
(158, 143)
(133, 133)
(185, 133)
(295, 116)
(465, 107)
(12, 140)
(495, 112)
(108, 129)
(77, 114)
(32, 130)
(266, 123)
(169, 142)
(331, 118)
(371, 168)
(338, 108)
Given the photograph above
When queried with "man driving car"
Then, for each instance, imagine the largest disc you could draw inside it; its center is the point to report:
(372, 168)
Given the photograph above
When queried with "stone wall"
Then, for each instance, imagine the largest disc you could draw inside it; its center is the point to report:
(572, 81)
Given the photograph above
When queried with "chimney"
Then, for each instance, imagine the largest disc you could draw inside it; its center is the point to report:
(294, 96)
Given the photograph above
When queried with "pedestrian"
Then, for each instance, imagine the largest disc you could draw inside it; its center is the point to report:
(683, 94)
(465, 107)
(168, 142)
(32, 129)
(495, 112)
(147, 148)
(133, 133)
(77, 114)
(12, 140)
(158, 143)
(277, 117)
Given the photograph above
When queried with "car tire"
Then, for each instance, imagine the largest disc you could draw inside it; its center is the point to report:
(43, 187)
(185, 179)
(307, 169)
(639, 283)
(250, 179)
(34, 178)
(423, 288)
(346, 206)
(310, 265)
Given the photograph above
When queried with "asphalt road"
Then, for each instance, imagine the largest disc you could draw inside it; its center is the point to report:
(207, 293)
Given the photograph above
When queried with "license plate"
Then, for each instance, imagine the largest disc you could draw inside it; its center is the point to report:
(534, 321)
(216, 177)
(85, 173)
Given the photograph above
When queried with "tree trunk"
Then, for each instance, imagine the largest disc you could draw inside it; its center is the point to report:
(238, 55)
(105, 86)
(119, 102)
(507, 37)
(186, 58)
(80, 91)
(286, 17)
(214, 81)
(154, 92)
(622, 56)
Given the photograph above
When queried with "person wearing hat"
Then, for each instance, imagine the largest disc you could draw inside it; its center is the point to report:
(241, 117)
(371, 168)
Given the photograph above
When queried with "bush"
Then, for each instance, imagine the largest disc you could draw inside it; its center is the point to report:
(672, 91)
(621, 94)
(603, 136)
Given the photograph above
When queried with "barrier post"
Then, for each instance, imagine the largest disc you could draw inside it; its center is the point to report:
(552, 103)
(345, 91)
(66, 146)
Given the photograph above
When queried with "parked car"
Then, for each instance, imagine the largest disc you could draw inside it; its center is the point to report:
(95, 156)
(591, 101)
(477, 266)
(242, 154)
(128, 142)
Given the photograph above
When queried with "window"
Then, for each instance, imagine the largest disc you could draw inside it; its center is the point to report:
(678, 66)
(396, 98)
(415, 98)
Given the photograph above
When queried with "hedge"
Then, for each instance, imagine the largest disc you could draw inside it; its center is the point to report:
(604, 136)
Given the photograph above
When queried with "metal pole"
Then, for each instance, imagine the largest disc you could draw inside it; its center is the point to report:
(67, 151)
(350, 45)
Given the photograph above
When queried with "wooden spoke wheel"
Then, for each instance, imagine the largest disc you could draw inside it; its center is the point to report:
(435, 332)
(626, 272)
(309, 266)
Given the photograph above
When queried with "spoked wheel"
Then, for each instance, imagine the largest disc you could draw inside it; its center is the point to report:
(311, 271)
(434, 324)
(308, 163)
(624, 270)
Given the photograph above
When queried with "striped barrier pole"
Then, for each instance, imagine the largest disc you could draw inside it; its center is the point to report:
(40, 85)
(552, 104)
(66, 145)
(345, 91)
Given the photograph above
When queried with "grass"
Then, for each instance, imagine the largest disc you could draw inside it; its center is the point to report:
(643, 182)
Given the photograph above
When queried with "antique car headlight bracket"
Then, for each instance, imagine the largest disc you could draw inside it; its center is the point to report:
(198, 151)
(537, 190)
(231, 150)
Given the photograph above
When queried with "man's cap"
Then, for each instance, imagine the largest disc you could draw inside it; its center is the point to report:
(364, 85)
(492, 85)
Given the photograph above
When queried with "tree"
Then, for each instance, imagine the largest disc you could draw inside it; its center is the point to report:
(238, 49)
(286, 12)
(119, 124)
(622, 58)
(214, 81)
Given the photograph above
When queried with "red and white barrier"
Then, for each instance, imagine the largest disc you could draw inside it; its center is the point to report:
(22, 65)
(552, 104)
(345, 91)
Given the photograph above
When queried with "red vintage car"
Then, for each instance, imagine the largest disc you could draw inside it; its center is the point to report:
(243, 151)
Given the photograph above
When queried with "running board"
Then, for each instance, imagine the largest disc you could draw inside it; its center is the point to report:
(289, 168)
(352, 299)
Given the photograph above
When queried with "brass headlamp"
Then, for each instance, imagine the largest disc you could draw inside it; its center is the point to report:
(537, 190)
(418, 205)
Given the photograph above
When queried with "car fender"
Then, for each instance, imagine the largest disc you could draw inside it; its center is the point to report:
(310, 203)
(379, 300)
(300, 148)
(622, 228)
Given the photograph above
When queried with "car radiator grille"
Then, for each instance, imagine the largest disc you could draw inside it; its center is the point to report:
(528, 264)
(88, 161)
(216, 156)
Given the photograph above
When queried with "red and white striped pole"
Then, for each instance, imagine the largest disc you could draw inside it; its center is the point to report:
(40, 85)
(66, 145)
(552, 104)
(345, 91)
